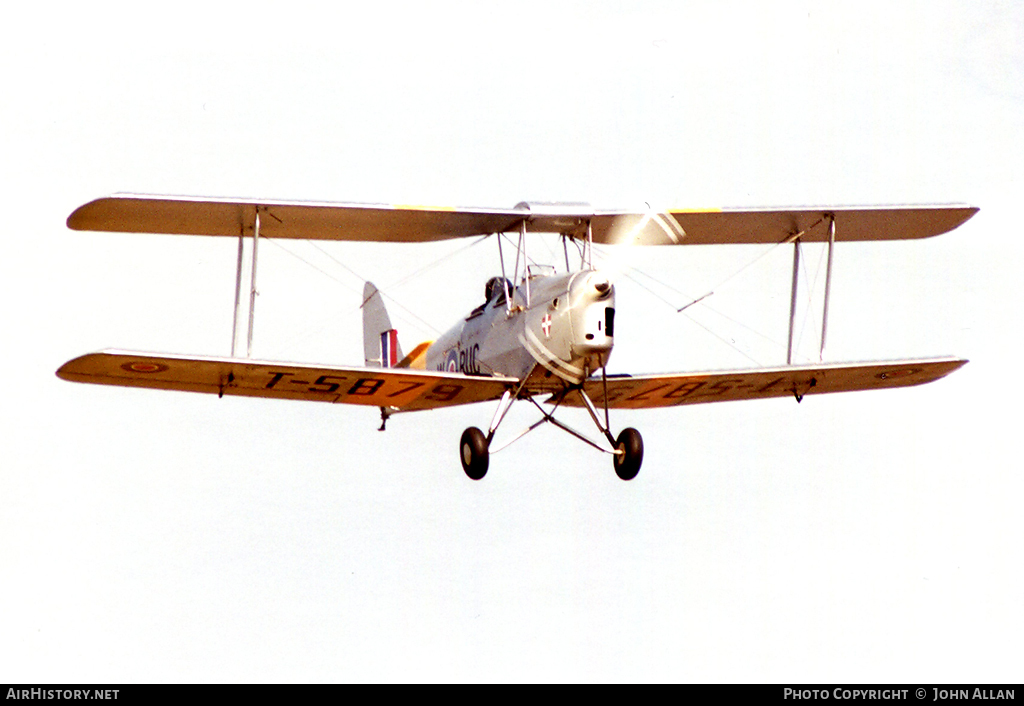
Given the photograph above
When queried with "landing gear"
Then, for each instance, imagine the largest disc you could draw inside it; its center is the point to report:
(627, 451)
(473, 453)
(629, 454)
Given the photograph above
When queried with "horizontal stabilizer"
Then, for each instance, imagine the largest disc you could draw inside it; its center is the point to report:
(379, 387)
(646, 391)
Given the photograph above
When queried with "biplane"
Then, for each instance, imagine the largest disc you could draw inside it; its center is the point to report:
(538, 333)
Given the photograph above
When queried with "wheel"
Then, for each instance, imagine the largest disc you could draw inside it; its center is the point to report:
(473, 453)
(627, 463)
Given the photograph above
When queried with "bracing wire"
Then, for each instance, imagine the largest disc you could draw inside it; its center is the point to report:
(627, 269)
(325, 273)
(702, 299)
(697, 323)
(309, 330)
(386, 291)
(547, 246)
(530, 260)
(338, 262)
(405, 280)
(351, 271)
(810, 296)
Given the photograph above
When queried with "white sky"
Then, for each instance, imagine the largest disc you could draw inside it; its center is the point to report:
(148, 536)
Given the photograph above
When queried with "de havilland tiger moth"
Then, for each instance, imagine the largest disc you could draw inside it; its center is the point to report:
(538, 333)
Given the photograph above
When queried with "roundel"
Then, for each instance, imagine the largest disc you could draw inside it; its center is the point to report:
(451, 361)
(899, 373)
(142, 367)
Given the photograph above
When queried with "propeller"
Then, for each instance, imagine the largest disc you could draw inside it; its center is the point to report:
(648, 226)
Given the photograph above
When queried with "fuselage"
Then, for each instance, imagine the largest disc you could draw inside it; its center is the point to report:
(559, 326)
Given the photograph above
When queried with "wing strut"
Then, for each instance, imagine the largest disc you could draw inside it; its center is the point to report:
(795, 239)
(504, 277)
(526, 260)
(238, 289)
(252, 290)
(590, 244)
(792, 299)
(243, 227)
(828, 283)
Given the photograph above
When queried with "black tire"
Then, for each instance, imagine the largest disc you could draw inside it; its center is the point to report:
(627, 464)
(473, 453)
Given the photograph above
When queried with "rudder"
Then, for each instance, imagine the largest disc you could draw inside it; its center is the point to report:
(380, 339)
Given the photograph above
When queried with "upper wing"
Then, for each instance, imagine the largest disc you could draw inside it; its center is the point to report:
(379, 387)
(399, 223)
(769, 226)
(177, 215)
(644, 391)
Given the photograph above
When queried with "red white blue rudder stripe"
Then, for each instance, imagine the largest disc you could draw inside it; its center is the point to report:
(389, 348)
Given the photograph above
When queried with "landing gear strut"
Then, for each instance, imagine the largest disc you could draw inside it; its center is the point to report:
(627, 450)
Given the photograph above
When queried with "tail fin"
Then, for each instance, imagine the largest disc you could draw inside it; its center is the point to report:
(380, 340)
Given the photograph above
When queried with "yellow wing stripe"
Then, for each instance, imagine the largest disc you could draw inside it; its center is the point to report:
(420, 207)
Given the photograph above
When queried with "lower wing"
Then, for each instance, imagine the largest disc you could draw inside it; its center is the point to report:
(645, 391)
(401, 389)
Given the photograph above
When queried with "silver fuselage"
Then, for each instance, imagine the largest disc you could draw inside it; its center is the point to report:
(554, 328)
